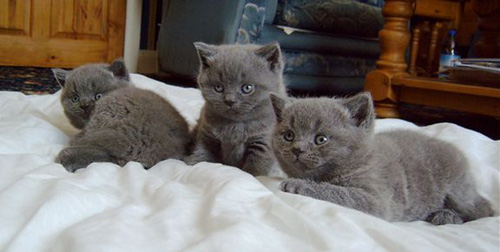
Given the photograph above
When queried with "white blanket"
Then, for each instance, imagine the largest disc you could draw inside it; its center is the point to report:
(206, 207)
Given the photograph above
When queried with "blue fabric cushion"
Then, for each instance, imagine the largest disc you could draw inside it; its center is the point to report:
(311, 63)
(376, 3)
(362, 18)
(321, 43)
(324, 85)
(252, 21)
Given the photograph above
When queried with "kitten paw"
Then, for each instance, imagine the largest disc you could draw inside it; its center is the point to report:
(296, 186)
(199, 156)
(190, 160)
(69, 159)
(445, 216)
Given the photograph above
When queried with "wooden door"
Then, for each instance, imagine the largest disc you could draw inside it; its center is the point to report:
(61, 33)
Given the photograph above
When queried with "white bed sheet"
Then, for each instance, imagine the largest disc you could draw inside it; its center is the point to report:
(206, 207)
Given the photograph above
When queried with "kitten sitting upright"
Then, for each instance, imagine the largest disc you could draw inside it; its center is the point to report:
(84, 85)
(126, 124)
(328, 149)
(236, 123)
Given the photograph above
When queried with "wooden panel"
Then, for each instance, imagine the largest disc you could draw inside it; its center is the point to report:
(79, 19)
(64, 33)
(15, 17)
(116, 26)
(481, 105)
(445, 10)
(58, 53)
(437, 85)
(461, 97)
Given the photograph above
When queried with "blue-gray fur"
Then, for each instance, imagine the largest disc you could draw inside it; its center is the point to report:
(129, 124)
(328, 149)
(126, 124)
(84, 85)
(237, 121)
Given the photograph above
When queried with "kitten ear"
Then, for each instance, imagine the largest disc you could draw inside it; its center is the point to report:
(119, 70)
(279, 104)
(361, 108)
(205, 53)
(60, 75)
(272, 53)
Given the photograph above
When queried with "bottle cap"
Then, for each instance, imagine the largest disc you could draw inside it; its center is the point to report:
(452, 32)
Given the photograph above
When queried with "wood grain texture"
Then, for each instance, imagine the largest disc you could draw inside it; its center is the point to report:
(116, 28)
(434, 51)
(64, 33)
(441, 10)
(480, 105)
(391, 85)
(79, 19)
(15, 17)
(415, 42)
(441, 16)
(447, 86)
(394, 38)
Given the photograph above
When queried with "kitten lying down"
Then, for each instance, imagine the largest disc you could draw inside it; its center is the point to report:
(123, 123)
(329, 151)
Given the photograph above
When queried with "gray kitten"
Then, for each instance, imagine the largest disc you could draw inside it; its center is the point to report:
(127, 124)
(84, 85)
(237, 120)
(328, 149)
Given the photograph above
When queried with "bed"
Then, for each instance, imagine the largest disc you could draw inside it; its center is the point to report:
(206, 207)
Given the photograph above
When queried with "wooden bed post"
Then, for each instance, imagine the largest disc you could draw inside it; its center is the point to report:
(394, 39)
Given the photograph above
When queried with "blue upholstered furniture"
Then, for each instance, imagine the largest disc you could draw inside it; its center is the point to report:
(328, 45)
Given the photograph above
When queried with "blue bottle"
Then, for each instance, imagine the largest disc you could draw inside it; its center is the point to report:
(449, 53)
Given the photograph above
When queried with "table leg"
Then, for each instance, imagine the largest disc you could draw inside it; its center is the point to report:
(436, 28)
(415, 39)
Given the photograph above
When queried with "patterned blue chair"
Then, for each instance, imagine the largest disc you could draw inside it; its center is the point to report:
(328, 45)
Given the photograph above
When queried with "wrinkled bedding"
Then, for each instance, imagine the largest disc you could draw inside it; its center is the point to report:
(206, 207)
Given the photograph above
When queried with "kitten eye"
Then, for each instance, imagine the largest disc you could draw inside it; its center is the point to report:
(218, 88)
(97, 96)
(75, 98)
(320, 140)
(247, 88)
(289, 136)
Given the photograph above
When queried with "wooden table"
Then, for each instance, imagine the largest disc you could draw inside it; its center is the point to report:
(391, 83)
(431, 21)
(444, 94)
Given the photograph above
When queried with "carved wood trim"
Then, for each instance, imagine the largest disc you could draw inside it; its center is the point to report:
(394, 39)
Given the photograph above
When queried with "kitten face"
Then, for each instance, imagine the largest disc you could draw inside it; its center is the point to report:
(316, 132)
(83, 86)
(236, 80)
(234, 91)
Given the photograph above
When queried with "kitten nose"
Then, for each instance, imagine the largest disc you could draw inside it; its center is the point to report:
(297, 151)
(229, 100)
(86, 106)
